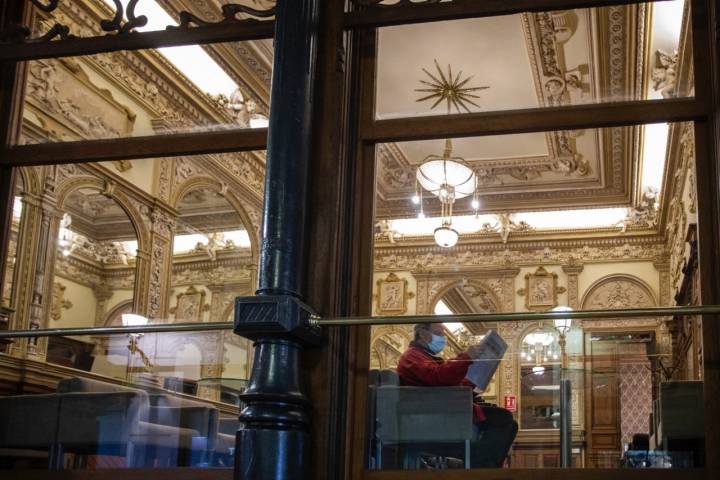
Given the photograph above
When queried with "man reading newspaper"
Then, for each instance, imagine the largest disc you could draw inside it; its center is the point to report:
(420, 365)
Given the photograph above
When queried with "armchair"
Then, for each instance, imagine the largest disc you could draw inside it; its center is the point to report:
(417, 420)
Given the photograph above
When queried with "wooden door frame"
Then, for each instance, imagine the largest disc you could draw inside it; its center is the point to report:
(705, 31)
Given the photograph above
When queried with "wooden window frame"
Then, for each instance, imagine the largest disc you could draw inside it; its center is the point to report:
(703, 110)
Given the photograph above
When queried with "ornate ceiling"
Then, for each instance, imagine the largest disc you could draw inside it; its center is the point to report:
(248, 63)
(203, 210)
(100, 218)
(97, 216)
(528, 61)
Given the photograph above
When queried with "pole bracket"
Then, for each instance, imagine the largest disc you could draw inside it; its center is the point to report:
(282, 316)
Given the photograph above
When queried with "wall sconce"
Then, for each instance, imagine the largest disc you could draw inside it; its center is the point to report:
(562, 325)
(133, 320)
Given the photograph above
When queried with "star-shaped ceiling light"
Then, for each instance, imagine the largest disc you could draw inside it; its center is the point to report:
(446, 176)
(449, 88)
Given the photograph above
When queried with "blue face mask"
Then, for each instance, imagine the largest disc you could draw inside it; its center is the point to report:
(437, 343)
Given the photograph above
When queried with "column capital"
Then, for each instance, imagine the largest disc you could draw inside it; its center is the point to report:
(573, 268)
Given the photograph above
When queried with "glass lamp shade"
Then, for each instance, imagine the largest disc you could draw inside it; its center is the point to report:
(437, 173)
(133, 320)
(539, 338)
(563, 324)
(445, 236)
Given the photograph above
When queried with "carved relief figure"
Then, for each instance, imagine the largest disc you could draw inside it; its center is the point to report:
(190, 305)
(58, 301)
(665, 72)
(541, 290)
(392, 295)
(618, 291)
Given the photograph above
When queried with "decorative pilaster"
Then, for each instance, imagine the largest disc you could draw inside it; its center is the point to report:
(662, 265)
(156, 266)
(665, 298)
(508, 288)
(22, 282)
(5, 313)
(572, 269)
(103, 292)
(44, 273)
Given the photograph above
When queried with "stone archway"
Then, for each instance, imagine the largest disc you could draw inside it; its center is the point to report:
(473, 295)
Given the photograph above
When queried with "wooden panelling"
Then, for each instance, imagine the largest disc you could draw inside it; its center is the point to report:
(487, 474)
(706, 60)
(604, 400)
(330, 212)
(11, 93)
(125, 474)
(603, 403)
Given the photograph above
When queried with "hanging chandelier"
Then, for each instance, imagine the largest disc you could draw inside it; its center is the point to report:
(447, 177)
(539, 347)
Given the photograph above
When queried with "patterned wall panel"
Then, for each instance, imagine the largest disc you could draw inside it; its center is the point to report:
(635, 398)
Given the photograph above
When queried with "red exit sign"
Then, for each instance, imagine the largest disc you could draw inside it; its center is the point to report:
(511, 402)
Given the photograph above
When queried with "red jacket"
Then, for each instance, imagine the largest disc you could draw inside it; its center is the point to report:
(419, 368)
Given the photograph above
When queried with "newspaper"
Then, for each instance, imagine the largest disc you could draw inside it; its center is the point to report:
(484, 365)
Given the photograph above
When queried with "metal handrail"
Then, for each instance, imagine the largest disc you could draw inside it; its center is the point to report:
(161, 328)
(519, 316)
(381, 320)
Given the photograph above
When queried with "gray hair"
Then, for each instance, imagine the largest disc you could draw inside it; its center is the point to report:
(420, 327)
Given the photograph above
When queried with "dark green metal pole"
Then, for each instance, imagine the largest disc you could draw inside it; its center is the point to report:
(274, 440)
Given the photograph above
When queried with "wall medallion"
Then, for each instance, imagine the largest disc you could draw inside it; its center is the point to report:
(392, 295)
(190, 305)
(541, 290)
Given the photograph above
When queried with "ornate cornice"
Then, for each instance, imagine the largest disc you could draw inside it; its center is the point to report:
(488, 256)
(151, 79)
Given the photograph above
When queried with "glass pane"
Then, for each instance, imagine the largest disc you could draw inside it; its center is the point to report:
(167, 238)
(124, 243)
(616, 231)
(128, 401)
(147, 92)
(535, 60)
(209, 228)
(437, 408)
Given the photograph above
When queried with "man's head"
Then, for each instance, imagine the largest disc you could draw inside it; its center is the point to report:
(430, 335)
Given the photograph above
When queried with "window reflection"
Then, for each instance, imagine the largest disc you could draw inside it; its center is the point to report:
(539, 402)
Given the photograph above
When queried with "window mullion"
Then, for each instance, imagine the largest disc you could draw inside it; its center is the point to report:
(533, 120)
(135, 147)
(384, 16)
